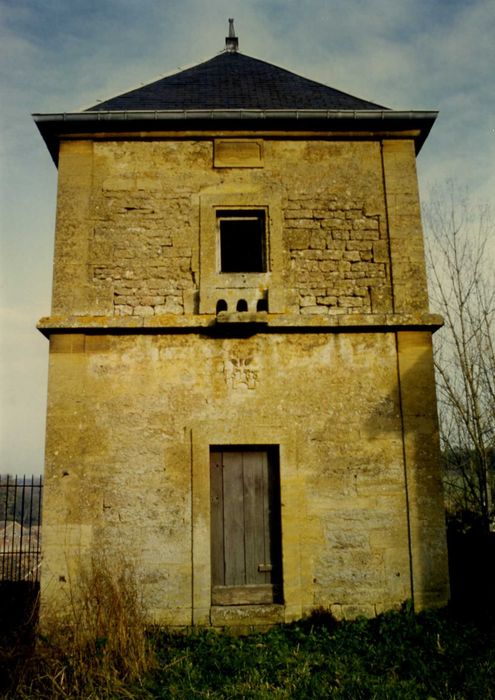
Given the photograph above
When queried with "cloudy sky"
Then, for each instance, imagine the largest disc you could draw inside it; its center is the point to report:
(64, 55)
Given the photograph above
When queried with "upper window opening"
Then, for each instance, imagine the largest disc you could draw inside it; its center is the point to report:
(242, 240)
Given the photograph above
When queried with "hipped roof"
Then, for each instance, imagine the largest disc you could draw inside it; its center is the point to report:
(234, 92)
(232, 80)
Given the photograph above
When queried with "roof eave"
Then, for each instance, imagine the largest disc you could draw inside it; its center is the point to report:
(54, 126)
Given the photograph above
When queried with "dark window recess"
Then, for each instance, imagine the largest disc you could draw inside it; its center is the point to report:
(242, 240)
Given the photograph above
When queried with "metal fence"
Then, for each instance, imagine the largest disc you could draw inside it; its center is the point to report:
(20, 527)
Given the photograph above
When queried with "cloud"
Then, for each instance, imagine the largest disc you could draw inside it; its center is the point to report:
(60, 56)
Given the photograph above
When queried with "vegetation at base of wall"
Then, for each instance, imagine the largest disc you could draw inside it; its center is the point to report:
(94, 648)
(397, 656)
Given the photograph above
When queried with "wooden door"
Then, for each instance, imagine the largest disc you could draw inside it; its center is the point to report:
(246, 559)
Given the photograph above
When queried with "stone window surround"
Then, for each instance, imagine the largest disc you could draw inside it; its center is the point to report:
(215, 285)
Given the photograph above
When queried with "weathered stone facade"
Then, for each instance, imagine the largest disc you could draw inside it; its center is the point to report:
(148, 373)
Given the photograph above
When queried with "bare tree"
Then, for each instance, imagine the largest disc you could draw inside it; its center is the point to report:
(460, 254)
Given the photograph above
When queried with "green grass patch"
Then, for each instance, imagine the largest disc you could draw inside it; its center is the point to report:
(396, 656)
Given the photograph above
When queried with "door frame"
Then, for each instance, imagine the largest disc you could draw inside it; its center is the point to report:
(257, 514)
(296, 563)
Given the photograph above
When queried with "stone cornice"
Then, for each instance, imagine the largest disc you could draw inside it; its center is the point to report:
(376, 123)
(259, 322)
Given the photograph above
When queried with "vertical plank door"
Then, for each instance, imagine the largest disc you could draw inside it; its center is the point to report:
(245, 527)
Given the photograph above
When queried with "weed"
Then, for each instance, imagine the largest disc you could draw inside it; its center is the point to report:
(97, 646)
(396, 656)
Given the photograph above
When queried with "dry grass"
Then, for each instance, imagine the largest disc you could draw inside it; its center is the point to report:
(97, 648)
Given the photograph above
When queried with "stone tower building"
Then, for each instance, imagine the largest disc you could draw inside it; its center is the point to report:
(241, 395)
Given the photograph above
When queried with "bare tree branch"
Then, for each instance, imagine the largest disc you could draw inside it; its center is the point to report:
(460, 250)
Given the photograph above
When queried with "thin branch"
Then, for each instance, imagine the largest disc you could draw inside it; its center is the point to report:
(459, 236)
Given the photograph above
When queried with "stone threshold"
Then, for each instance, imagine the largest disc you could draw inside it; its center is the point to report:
(245, 618)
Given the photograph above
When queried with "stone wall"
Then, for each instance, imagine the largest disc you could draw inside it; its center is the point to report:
(139, 251)
(129, 221)
(339, 256)
(130, 421)
(132, 414)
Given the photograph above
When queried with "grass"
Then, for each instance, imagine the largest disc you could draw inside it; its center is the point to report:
(396, 656)
(101, 649)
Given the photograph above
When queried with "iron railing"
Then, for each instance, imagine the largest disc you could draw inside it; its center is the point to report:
(20, 527)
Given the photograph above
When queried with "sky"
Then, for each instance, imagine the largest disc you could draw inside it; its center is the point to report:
(65, 55)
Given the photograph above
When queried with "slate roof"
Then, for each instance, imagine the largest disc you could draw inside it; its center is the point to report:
(232, 80)
(232, 91)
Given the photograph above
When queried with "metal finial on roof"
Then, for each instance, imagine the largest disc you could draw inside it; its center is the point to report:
(231, 41)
